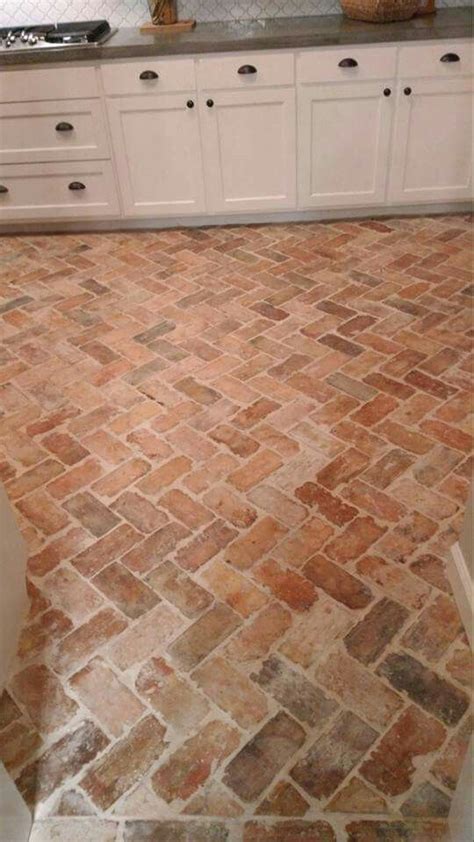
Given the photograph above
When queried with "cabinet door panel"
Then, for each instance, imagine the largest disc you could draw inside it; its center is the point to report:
(249, 143)
(158, 155)
(344, 136)
(432, 153)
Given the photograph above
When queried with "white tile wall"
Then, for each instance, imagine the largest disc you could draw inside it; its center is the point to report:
(134, 12)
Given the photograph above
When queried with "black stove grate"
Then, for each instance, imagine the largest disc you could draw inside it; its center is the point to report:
(63, 33)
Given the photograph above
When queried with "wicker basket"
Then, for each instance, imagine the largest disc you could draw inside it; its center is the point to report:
(380, 11)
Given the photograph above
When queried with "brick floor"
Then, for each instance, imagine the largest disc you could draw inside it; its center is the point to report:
(239, 457)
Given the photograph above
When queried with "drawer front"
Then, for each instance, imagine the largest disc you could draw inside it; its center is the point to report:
(148, 76)
(41, 191)
(246, 70)
(445, 60)
(346, 64)
(57, 83)
(52, 131)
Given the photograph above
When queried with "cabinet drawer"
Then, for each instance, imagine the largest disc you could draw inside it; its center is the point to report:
(35, 85)
(130, 77)
(52, 131)
(346, 64)
(445, 60)
(41, 191)
(246, 70)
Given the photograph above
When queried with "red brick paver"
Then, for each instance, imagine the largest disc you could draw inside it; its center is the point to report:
(238, 456)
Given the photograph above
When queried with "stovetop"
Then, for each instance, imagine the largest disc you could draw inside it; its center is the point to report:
(50, 35)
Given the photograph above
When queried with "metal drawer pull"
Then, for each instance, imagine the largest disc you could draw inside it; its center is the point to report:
(77, 185)
(246, 69)
(387, 91)
(3, 189)
(450, 57)
(209, 103)
(146, 75)
(64, 127)
(407, 91)
(348, 62)
(190, 103)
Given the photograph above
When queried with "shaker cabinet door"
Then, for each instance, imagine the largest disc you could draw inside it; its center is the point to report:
(157, 149)
(432, 145)
(343, 143)
(249, 149)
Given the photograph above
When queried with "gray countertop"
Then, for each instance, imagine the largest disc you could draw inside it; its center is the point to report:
(269, 34)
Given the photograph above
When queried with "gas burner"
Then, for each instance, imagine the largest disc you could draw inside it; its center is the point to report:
(80, 33)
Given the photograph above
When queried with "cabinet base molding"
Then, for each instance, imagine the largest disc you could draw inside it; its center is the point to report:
(205, 221)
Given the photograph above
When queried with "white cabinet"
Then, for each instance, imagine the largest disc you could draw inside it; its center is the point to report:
(249, 149)
(57, 191)
(352, 126)
(157, 149)
(343, 143)
(65, 130)
(149, 76)
(432, 144)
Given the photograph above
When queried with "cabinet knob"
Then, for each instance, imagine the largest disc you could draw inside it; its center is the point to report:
(190, 103)
(387, 91)
(246, 69)
(348, 62)
(64, 127)
(407, 91)
(77, 185)
(209, 103)
(147, 75)
(3, 189)
(450, 57)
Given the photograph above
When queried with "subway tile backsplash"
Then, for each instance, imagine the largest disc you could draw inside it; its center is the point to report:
(134, 12)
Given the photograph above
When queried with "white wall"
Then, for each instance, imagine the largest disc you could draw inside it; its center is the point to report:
(134, 12)
(15, 819)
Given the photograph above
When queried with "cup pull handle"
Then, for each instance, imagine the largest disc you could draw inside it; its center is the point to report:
(147, 75)
(449, 58)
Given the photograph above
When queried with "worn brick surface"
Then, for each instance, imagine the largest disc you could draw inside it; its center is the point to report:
(203, 636)
(357, 797)
(435, 629)
(337, 582)
(331, 757)
(392, 765)
(63, 759)
(358, 688)
(232, 691)
(392, 831)
(297, 829)
(448, 764)
(102, 692)
(283, 800)
(254, 767)
(245, 446)
(41, 694)
(301, 698)
(432, 692)
(190, 766)
(125, 763)
(367, 640)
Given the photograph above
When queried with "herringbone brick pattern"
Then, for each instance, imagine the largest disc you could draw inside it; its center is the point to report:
(239, 457)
